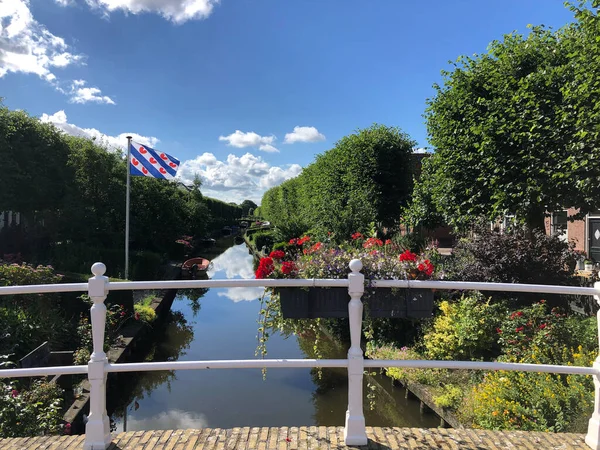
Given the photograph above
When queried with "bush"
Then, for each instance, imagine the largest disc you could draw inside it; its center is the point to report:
(28, 320)
(145, 266)
(513, 257)
(263, 239)
(534, 401)
(465, 329)
(143, 311)
(30, 412)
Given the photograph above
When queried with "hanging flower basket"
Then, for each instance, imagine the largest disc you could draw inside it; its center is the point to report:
(312, 303)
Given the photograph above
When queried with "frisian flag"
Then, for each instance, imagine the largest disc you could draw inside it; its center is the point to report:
(147, 162)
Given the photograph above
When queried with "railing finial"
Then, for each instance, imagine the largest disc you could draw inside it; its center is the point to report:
(356, 265)
(98, 269)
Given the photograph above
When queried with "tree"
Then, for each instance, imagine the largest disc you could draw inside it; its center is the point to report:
(35, 174)
(248, 205)
(366, 178)
(506, 134)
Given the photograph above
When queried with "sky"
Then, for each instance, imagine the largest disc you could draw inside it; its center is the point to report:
(244, 92)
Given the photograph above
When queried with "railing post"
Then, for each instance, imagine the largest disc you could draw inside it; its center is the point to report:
(97, 429)
(355, 432)
(593, 435)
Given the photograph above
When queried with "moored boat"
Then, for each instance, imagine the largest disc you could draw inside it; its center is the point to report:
(195, 266)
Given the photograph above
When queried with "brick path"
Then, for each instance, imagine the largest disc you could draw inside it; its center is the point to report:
(288, 438)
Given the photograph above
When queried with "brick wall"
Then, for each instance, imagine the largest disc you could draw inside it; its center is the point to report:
(576, 230)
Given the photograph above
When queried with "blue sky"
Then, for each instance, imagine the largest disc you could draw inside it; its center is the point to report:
(195, 77)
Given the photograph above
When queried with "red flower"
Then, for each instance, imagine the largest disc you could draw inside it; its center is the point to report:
(498, 330)
(519, 313)
(356, 236)
(136, 316)
(313, 249)
(542, 326)
(288, 267)
(372, 242)
(407, 256)
(421, 267)
(265, 268)
(293, 241)
(518, 330)
(388, 242)
(303, 240)
(67, 428)
(123, 314)
(14, 393)
(542, 301)
(277, 254)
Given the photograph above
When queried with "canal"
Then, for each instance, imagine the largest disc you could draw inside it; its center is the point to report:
(222, 324)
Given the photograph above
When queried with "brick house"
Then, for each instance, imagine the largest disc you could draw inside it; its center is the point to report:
(584, 233)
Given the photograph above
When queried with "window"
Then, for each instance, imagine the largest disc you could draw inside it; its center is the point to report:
(558, 224)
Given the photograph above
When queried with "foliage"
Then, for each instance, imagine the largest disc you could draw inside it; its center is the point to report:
(28, 320)
(262, 239)
(30, 412)
(364, 179)
(515, 129)
(512, 257)
(534, 401)
(143, 310)
(465, 329)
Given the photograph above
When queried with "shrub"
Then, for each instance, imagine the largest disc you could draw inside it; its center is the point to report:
(534, 401)
(143, 311)
(263, 239)
(465, 329)
(30, 412)
(517, 256)
(450, 396)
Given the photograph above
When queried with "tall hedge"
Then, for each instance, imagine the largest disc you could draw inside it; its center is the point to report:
(366, 178)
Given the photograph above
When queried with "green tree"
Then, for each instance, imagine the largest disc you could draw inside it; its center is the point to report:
(505, 132)
(366, 178)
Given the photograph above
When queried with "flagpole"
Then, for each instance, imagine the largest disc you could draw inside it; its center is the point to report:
(127, 209)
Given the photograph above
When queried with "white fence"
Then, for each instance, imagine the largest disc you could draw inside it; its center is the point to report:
(97, 428)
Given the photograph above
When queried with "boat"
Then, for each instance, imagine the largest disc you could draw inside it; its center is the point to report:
(195, 266)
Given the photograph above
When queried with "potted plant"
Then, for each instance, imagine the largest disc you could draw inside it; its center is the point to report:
(589, 264)
(322, 260)
(580, 259)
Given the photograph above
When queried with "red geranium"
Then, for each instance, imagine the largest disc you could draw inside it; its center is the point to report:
(373, 242)
(277, 254)
(288, 267)
(388, 242)
(265, 267)
(356, 236)
(407, 256)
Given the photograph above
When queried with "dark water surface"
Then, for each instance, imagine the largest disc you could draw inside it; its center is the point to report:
(222, 324)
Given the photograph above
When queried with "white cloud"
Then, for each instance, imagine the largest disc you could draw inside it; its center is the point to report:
(59, 119)
(177, 11)
(419, 150)
(173, 419)
(26, 46)
(81, 94)
(303, 134)
(64, 2)
(237, 178)
(240, 139)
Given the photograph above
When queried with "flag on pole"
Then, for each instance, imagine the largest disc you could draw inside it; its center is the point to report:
(147, 162)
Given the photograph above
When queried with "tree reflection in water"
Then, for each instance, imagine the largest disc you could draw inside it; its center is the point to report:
(193, 296)
(170, 341)
(330, 397)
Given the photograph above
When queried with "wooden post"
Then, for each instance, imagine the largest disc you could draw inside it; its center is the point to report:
(354, 431)
(593, 435)
(97, 429)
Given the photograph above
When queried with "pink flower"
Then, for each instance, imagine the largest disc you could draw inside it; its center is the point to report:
(14, 393)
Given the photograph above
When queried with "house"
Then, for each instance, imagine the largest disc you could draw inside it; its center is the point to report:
(9, 218)
(584, 233)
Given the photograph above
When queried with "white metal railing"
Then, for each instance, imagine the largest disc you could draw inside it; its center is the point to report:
(98, 435)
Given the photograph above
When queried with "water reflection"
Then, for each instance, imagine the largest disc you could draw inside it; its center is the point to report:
(225, 327)
(236, 262)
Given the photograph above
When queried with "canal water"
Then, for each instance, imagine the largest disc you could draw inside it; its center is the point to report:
(222, 324)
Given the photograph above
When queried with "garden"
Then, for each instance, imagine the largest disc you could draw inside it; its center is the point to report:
(465, 326)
